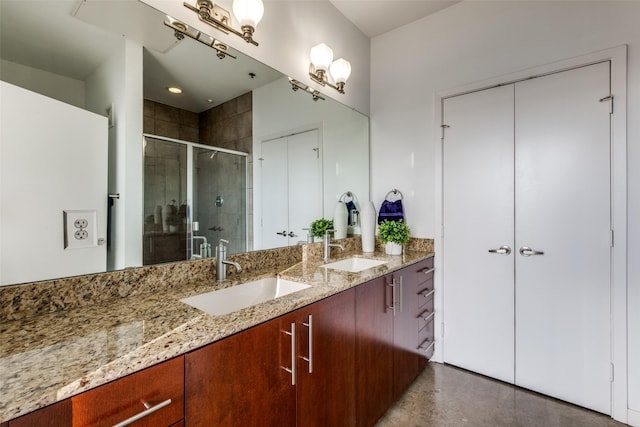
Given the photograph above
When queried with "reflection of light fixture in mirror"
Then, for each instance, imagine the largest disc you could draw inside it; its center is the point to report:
(322, 66)
(181, 29)
(247, 12)
(174, 89)
(295, 85)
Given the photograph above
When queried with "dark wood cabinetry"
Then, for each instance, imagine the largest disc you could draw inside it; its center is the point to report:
(296, 369)
(394, 324)
(374, 351)
(341, 361)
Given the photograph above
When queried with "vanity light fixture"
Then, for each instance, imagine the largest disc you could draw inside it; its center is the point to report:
(322, 66)
(247, 12)
(174, 89)
(180, 29)
(295, 85)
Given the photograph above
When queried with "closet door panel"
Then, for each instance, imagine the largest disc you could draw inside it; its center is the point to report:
(478, 216)
(562, 163)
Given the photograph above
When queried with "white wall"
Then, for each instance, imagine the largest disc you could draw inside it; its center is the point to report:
(288, 30)
(35, 132)
(279, 111)
(118, 83)
(474, 41)
(58, 87)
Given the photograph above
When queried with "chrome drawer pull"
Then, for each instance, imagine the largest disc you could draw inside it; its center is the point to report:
(428, 294)
(292, 371)
(428, 270)
(427, 348)
(143, 413)
(428, 317)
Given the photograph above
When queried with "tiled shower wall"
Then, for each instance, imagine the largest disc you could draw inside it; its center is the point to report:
(228, 125)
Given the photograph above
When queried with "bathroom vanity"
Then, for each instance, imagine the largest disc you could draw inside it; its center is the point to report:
(336, 353)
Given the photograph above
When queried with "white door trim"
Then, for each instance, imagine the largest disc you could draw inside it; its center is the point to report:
(618, 58)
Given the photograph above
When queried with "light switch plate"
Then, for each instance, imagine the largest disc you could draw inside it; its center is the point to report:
(80, 229)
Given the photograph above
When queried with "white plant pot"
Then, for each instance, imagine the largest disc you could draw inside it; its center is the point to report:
(391, 248)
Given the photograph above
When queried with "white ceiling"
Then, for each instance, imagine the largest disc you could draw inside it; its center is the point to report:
(375, 17)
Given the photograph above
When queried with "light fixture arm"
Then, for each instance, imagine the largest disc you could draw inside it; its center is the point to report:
(180, 29)
(220, 18)
(320, 77)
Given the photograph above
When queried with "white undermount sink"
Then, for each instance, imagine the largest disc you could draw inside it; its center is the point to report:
(354, 264)
(237, 297)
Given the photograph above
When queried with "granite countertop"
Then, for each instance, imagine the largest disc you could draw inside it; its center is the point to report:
(52, 356)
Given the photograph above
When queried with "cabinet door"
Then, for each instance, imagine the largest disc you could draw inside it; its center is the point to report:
(326, 383)
(241, 381)
(160, 387)
(405, 330)
(56, 415)
(374, 351)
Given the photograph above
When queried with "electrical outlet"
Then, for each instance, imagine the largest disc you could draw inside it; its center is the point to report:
(80, 229)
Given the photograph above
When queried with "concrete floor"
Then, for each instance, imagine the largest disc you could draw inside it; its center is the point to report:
(447, 396)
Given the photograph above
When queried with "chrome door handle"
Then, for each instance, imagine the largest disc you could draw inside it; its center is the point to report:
(282, 233)
(310, 345)
(149, 410)
(292, 371)
(392, 307)
(527, 251)
(502, 250)
(291, 234)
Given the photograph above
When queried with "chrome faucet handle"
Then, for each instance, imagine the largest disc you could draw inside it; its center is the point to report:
(223, 242)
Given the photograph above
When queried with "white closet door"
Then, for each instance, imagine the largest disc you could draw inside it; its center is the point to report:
(478, 216)
(305, 183)
(275, 193)
(562, 164)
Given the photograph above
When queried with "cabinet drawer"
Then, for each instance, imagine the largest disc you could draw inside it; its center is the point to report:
(425, 299)
(156, 395)
(425, 318)
(424, 273)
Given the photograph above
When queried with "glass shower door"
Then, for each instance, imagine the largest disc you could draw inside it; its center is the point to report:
(165, 202)
(220, 199)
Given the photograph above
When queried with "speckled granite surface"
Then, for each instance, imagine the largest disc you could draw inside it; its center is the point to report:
(99, 329)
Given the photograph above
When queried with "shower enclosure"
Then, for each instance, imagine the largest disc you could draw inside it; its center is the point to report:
(194, 195)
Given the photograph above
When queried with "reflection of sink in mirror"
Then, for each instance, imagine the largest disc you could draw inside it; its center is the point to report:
(237, 297)
(354, 264)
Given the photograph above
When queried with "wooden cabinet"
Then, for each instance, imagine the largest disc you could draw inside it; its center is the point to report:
(296, 369)
(394, 326)
(154, 395)
(239, 380)
(374, 351)
(325, 382)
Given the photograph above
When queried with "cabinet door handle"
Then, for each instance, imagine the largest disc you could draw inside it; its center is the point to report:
(392, 307)
(292, 371)
(427, 270)
(149, 410)
(400, 295)
(310, 358)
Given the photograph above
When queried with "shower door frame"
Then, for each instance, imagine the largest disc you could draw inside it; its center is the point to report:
(190, 185)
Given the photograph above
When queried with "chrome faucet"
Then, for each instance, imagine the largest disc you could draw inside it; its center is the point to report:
(327, 245)
(222, 261)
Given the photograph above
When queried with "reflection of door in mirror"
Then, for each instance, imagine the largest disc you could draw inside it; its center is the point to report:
(291, 187)
(179, 174)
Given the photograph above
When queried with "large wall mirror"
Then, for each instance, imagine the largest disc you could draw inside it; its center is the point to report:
(238, 155)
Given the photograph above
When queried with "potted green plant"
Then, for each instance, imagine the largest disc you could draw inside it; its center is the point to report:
(320, 226)
(395, 234)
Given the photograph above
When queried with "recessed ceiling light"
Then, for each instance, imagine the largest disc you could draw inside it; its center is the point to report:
(174, 89)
